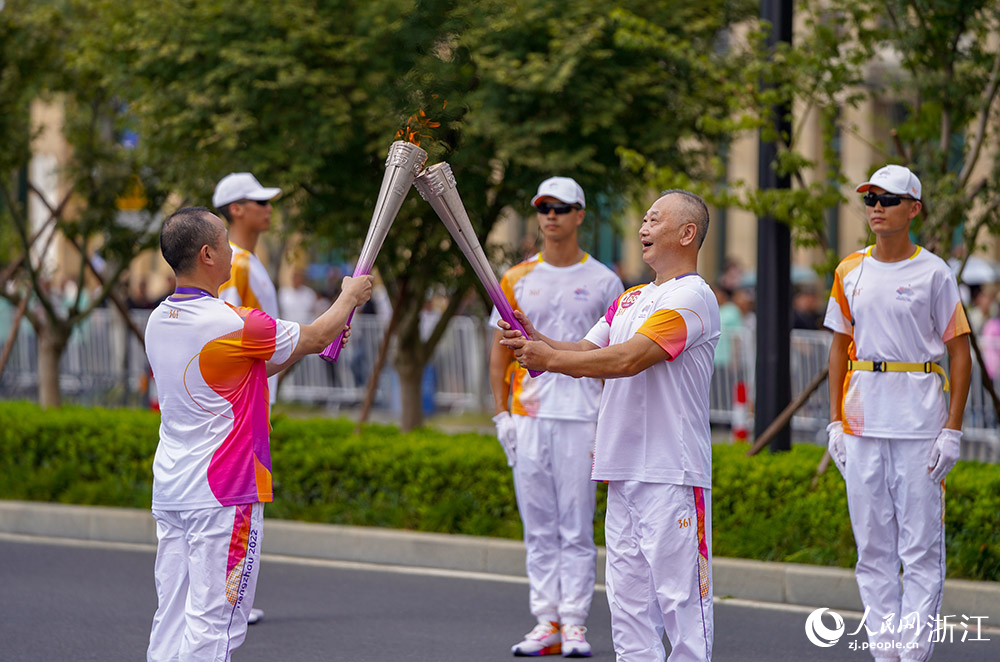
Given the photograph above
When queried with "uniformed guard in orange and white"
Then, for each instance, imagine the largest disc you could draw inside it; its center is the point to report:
(895, 433)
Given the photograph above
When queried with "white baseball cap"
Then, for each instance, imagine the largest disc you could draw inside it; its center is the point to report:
(894, 179)
(241, 186)
(563, 189)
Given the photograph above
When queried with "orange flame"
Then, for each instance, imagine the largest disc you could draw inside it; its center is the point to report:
(419, 126)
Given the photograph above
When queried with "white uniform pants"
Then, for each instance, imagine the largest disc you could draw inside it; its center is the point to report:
(556, 497)
(207, 563)
(659, 571)
(897, 513)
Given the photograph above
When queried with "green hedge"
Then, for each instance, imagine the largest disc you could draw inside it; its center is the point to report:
(764, 507)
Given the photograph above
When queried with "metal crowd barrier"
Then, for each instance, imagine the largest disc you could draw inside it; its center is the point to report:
(104, 365)
(809, 355)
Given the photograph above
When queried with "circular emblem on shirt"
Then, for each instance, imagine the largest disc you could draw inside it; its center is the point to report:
(629, 298)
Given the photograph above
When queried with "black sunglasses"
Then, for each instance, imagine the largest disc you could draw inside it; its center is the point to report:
(545, 208)
(262, 203)
(886, 199)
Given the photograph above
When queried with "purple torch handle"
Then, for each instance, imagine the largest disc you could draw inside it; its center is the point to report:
(507, 314)
(332, 351)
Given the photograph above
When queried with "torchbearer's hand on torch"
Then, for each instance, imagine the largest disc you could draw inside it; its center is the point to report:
(529, 328)
(530, 354)
(358, 287)
(527, 352)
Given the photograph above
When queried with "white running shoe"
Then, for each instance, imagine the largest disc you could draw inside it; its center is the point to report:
(574, 644)
(544, 639)
(255, 615)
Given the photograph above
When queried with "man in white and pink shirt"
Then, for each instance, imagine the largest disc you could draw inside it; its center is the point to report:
(212, 468)
(655, 348)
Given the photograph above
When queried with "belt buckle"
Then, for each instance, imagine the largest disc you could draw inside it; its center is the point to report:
(878, 366)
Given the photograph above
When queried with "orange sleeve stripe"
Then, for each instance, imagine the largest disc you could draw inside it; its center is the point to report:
(667, 329)
(838, 294)
(958, 324)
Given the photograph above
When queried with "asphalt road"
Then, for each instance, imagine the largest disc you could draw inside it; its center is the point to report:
(73, 601)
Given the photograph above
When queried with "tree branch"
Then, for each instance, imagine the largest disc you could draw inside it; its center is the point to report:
(107, 292)
(12, 337)
(442, 324)
(977, 143)
(899, 146)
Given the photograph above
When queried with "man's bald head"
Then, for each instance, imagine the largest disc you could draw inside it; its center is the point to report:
(183, 235)
(691, 209)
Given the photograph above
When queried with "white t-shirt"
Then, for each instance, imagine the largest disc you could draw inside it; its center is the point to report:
(902, 311)
(562, 303)
(250, 285)
(654, 426)
(209, 362)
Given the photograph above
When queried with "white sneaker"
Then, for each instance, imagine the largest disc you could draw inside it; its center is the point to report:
(255, 615)
(574, 644)
(544, 639)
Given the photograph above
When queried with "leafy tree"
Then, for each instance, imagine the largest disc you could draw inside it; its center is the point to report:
(310, 94)
(938, 61)
(47, 54)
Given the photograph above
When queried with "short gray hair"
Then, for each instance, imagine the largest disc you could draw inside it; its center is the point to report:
(694, 210)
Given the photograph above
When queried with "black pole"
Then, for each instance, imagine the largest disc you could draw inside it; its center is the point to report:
(774, 260)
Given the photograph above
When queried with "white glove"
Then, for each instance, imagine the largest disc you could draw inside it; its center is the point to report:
(944, 453)
(507, 435)
(835, 445)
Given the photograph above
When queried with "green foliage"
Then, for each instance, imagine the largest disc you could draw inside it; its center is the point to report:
(763, 507)
(52, 51)
(972, 521)
(308, 95)
(421, 480)
(73, 455)
(929, 75)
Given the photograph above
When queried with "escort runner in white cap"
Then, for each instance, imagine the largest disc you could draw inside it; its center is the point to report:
(563, 189)
(893, 179)
(654, 347)
(894, 433)
(246, 205)
(547, 423)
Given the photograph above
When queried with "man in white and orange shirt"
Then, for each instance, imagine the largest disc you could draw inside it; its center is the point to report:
(212, 468)
(895, 311)
(654, 347)
(547, 423)
(246, 205)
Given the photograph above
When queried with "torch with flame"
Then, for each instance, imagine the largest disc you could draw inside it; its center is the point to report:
(403, 164)
(437, 186)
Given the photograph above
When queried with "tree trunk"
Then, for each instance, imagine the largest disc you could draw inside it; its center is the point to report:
(51, 344)
(410, 370)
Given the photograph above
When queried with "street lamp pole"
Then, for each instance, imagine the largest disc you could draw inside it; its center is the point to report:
(774, 309)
